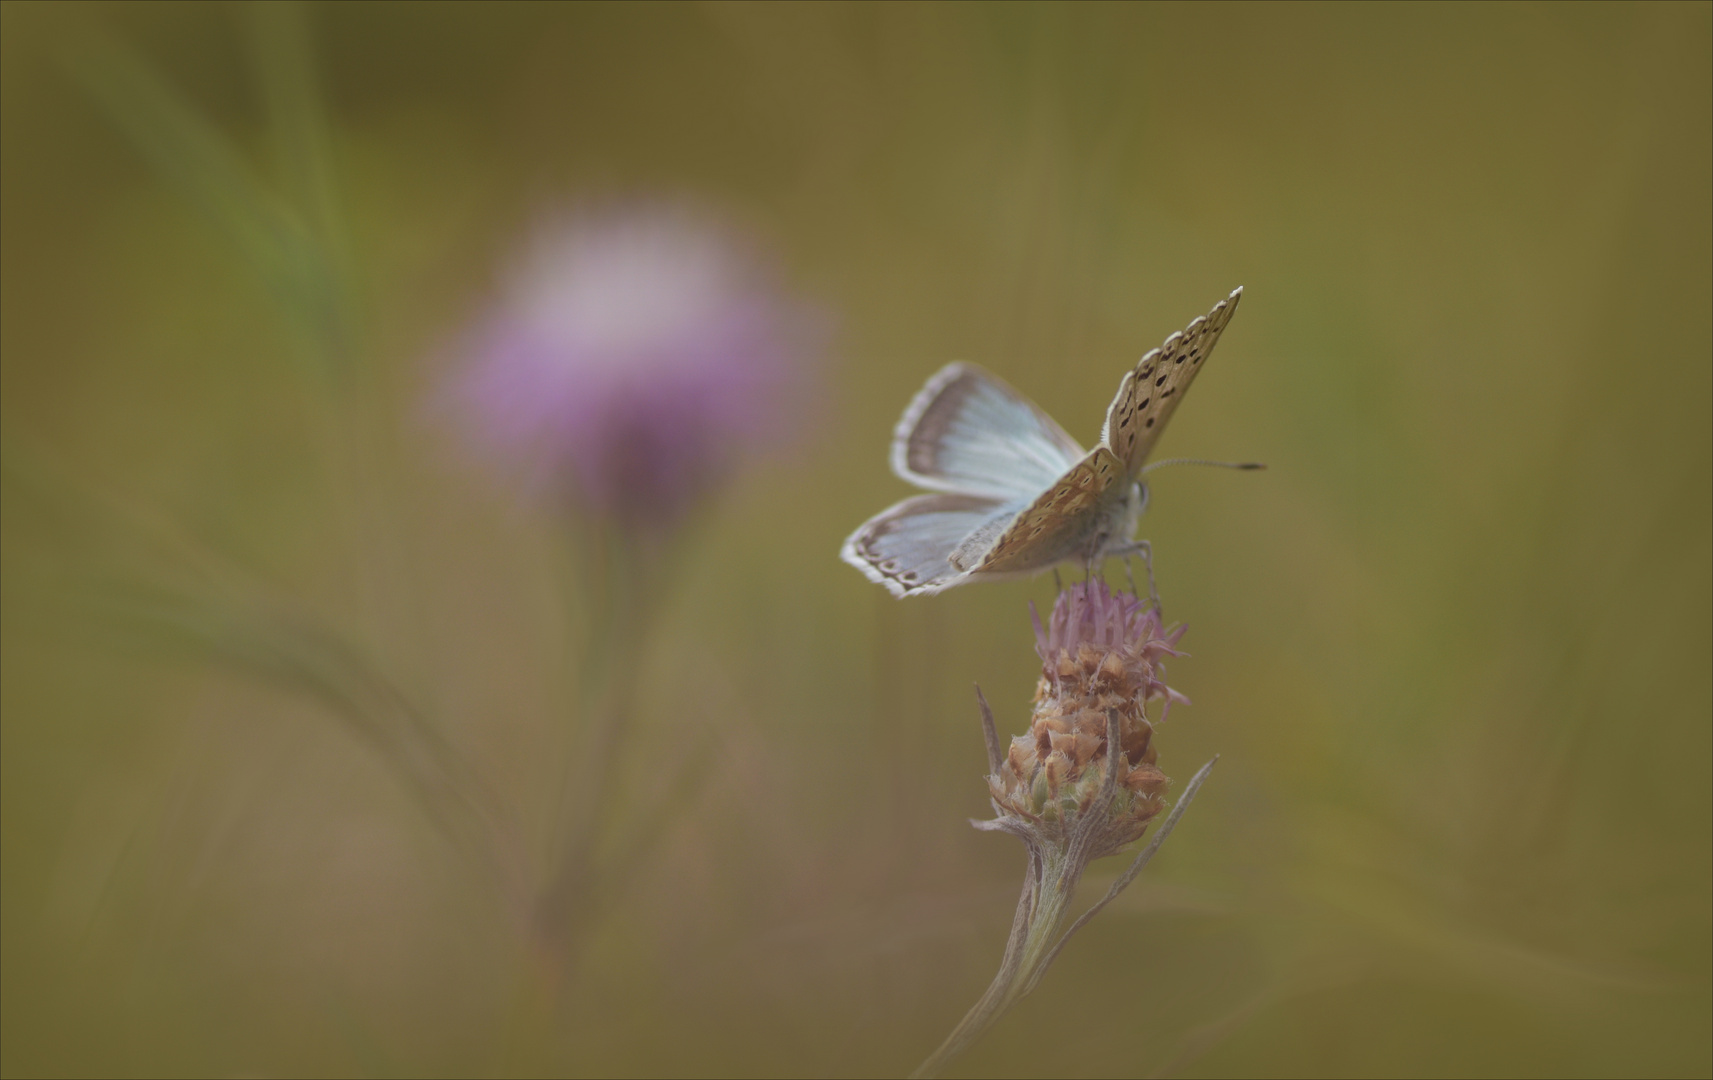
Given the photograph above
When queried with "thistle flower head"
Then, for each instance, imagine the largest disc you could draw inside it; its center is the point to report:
(1101, 664)
(630, 360)
(1080, 784)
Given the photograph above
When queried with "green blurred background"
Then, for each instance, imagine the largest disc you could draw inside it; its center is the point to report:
(1453, 647)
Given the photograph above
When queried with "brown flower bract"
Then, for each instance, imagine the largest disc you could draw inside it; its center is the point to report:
(1100, 656)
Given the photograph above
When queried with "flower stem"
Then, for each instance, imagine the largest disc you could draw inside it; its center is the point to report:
(626, 582)
(607, 673)
(1035, 940)
(1040, 912)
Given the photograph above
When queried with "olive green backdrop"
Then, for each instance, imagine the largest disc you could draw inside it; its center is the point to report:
(1453, 647)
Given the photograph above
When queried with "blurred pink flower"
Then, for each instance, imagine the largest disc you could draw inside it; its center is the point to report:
(632, 358)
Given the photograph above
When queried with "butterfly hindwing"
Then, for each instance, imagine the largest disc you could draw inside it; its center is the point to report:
(969, 433)
(907, 546)
(1063, 522)
(1152, 389)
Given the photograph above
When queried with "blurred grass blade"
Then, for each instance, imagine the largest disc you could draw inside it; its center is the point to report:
(126, 569)
(284, 56)
(299, 655)
(203, 166)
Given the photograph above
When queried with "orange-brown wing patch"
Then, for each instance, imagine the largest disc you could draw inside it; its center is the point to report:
(1062, 522)
(1152, 389)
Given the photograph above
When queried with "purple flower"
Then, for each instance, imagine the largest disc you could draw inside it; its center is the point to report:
(1102, 657)
(631, 359)
(1090, 620)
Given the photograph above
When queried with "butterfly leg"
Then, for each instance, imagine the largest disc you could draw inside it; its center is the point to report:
(1146, 551)
(1058, 586)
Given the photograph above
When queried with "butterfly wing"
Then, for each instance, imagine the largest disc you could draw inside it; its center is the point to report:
(1072, 518)
(1152, 389)
(969, 433)
(908, 547)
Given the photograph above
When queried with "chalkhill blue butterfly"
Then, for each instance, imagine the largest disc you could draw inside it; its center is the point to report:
(1012, 494)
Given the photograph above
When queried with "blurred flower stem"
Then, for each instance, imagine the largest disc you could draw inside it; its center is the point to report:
(623, 596)
(1080, 785)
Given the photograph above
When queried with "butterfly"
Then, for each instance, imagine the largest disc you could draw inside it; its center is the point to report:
(1012, 494)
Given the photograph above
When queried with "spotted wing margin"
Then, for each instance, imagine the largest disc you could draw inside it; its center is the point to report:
(967, 432)
(907, 547)
(1062, 523)
(1152, 389)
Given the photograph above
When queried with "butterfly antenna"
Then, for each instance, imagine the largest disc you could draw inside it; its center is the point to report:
(1244, 465)
(1058, 586)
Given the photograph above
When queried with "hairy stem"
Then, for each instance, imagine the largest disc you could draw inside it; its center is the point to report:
(1035, 940)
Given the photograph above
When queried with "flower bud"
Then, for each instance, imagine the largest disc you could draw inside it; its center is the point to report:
(1101, 663)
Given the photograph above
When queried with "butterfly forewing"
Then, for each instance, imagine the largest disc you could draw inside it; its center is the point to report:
(906, 547)
(1064, 521)
(969, 433)
(1153, 388)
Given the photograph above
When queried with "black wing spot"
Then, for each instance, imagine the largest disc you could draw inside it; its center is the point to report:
(1150, 422)
(1160, 381)
(1145, 402)
(1167, 394)
(1179, 360)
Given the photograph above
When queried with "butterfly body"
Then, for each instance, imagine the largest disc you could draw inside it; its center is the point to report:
(1012, 494)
